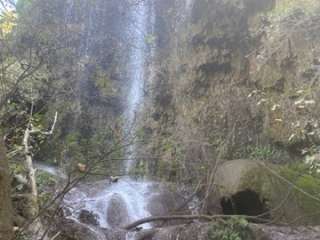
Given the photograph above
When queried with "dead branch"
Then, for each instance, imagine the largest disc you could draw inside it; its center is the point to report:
(56, 236)
(207, 218)
(47, 133)
(173, 217)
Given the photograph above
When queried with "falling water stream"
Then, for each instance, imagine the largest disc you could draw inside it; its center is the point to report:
(137, 33)
(117, 204)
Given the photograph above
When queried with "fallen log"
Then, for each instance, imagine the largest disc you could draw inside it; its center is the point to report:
(207, 218)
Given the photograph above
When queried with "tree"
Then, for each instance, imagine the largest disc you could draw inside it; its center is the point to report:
(14, 68)
(6, 211)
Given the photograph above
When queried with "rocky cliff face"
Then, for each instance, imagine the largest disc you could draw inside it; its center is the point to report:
(232, 79)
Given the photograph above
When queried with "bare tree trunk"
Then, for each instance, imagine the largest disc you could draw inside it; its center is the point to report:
(37, 227)
(31, 171)
(6, 212)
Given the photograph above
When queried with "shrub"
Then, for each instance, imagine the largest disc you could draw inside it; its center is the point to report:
(236, 228)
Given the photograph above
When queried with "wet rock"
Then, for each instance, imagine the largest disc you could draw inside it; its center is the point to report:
(72, 229)
(117, 212)
(167, 202)
(114, 179)
(115, 234)
(161, 204)
(88, 217)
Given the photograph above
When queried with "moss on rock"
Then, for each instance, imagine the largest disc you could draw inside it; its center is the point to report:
(290, 192)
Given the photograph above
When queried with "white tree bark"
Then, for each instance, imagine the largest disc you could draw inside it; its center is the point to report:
(37, 228)
(29, 164)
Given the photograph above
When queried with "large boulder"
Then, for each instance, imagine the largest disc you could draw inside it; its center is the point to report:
(75, 230)
(167, 202)
(230, 175)
(117, 212)
(249, 187)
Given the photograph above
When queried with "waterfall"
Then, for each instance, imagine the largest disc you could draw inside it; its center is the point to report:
(137, 33)
(116, 204)
(189, 5)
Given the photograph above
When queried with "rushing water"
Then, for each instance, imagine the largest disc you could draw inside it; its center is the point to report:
(131, 196)
(137, 33)
(115, 204)
(53, 170)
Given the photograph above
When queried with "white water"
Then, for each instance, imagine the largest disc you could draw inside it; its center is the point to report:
(55, 171)
(189, 5)
(136, 71)
(133, 193)
(97, 199)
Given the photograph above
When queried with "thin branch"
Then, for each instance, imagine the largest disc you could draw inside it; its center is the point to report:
(55, 236)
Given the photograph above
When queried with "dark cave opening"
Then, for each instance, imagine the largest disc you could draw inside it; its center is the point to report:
(245, 202)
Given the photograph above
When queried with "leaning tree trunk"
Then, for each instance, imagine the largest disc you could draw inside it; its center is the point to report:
(37, 228)
(6, 212)
(31, 173)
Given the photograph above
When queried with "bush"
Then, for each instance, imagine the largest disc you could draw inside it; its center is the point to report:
(236, 228)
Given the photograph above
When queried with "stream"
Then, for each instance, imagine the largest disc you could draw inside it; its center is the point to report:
(105, 206)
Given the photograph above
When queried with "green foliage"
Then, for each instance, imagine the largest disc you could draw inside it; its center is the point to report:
(168, 146)
(45, 179)
(170, 166)
(104, 83)
(261, 152)
(17, 168)
(7, 23)
(265, 152)
(236, 228)
(140, 169)
(312, 159)
(307, 181)
(22, 5)
(150, 39)
(22, 236)
(45, 183)
(290, 184)
(286, 7)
